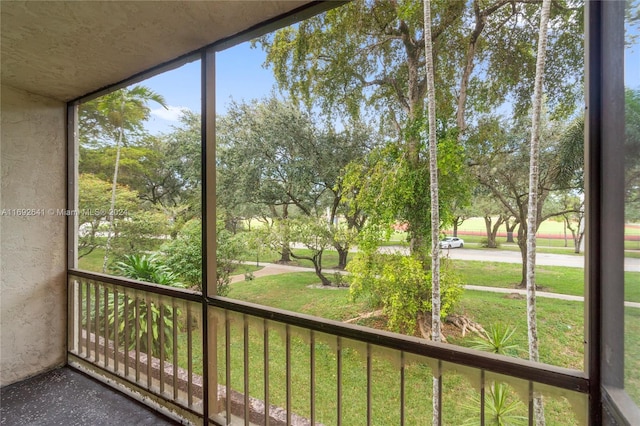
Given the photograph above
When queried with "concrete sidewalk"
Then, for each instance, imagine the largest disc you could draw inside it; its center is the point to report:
(277, 269)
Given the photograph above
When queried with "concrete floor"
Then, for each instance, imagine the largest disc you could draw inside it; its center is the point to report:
(67, 397)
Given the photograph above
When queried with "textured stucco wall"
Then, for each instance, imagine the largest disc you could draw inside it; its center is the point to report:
(32, 249)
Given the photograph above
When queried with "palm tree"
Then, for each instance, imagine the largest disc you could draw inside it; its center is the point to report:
(436, 334)
(533, 200)
(117, 116)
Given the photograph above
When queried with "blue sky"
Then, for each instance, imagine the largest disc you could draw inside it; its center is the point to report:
(240, 76)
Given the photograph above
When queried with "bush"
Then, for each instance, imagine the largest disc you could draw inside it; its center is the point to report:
(184, 255)
(401, 286)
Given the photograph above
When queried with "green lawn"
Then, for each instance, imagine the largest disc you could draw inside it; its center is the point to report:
(561, 326)
(92, 261)
(554, 279)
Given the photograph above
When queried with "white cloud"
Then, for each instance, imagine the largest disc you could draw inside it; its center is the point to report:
(171, 113)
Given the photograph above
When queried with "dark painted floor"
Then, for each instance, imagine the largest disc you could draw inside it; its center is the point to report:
(67, 397)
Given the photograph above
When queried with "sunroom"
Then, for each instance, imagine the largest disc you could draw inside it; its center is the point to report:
(200, 358)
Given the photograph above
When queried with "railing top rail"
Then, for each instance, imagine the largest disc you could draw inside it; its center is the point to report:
(559, 377)
(164, 290)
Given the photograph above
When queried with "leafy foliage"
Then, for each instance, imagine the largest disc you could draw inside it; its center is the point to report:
(150, 269)
(500, 407)
(402, 286)
(136, 227)
(147, 268)
(143, 311)
(632, 154)
(184, 255)
(496, 340)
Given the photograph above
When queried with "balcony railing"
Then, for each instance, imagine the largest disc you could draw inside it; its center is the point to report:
(273, 367)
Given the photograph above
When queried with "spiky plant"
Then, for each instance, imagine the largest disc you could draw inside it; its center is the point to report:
(496, 340)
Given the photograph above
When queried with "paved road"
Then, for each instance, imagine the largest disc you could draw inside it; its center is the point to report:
(508, 256)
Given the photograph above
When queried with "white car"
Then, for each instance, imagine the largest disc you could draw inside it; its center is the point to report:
(451, 242)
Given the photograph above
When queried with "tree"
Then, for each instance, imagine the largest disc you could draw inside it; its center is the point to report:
(532, 220)
(499, 160)
(436, 334)
(93, 206)
(262, 160)
(114, 117)
(334, 152)
(274, 156)
(371, 54)
(493, 213)
(184, 255)
(136, 228)
(316, 235)
(632, 154)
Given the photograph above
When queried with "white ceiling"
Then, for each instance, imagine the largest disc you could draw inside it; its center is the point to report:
(66, 49)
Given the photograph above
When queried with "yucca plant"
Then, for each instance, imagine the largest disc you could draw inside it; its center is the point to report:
(500, 407)
(496, 340)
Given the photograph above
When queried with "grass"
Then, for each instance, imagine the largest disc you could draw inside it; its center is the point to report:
(92, 261)
(561, 325)
(269, 291)
(554, 279)
(632, 353)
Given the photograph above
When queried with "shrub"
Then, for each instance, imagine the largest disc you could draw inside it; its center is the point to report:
(402, 286)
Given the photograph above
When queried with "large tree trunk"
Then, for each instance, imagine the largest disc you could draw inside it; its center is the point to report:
(285, 251)
(492, 230)
(522, 245)
(343, 253)
(510, 227)
(316, 259)
(532, 219)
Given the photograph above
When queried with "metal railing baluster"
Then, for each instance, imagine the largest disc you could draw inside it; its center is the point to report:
(96, 327)
(245, 343)
(174, 325)
(339, 380)
(369, 368)
(402, 388)
(127, 332)
(137, 337)
(312, 385)
(189, 357)
(227, 342)
(482, 396)
(161, 331)
(105, 308)
(87, 321)
(531, 411)
(116, 329)
(149, 305)
(288, 371)
(267, 420)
